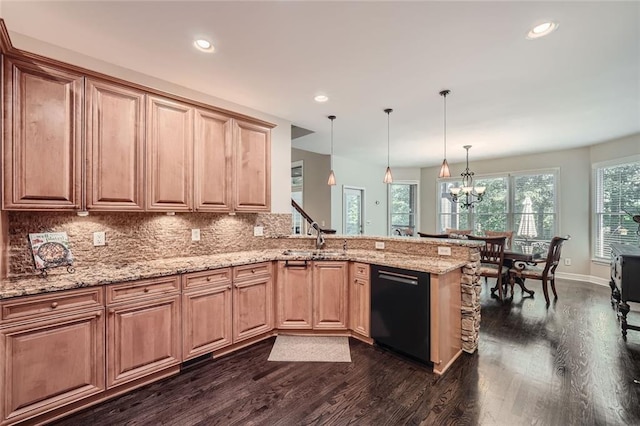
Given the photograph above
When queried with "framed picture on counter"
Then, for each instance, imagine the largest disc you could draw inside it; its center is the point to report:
(50, 250)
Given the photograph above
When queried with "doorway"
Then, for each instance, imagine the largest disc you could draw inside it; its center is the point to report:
(353, 210)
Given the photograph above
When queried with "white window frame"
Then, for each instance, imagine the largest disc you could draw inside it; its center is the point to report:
(594, 200)
(510, 195)
(417, 206)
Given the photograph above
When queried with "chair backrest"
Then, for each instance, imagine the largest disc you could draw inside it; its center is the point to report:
(422, 234)
(553, 255)
(458, 231)
(508, 234)
(493, 250)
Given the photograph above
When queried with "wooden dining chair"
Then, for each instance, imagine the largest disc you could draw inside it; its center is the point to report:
(492, 261)
(508, 234)
(545, 273)
(458, 231)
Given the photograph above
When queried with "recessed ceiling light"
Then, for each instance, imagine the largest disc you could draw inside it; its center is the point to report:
(321, 98)
(542, 30)
(204, 45)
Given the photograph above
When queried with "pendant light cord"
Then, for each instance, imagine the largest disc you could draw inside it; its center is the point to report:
(388, 133)
(445, 126)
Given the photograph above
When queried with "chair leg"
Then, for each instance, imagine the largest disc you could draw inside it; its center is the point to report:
(553, 287)
(545, 290)
(499, 284)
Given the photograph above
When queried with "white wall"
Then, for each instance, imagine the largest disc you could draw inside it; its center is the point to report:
(280, 135)
(368, 176)
(575, 204)
(316, 193)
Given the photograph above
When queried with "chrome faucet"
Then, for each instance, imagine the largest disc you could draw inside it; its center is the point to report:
(319, 236)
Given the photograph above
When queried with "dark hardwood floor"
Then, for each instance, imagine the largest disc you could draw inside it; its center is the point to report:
(566, 365)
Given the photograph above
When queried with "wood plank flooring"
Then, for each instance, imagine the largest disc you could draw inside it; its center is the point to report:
(566, 365)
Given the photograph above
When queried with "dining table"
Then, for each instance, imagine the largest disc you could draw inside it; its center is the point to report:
(520, 256)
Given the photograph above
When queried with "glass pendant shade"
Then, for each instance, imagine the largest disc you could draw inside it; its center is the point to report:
(332, 179)
(444, 170)
(388, 178)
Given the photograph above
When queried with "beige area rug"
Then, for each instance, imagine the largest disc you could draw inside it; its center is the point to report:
(311, 349)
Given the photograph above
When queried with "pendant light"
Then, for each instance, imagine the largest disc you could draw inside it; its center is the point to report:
(332, 177)
(388, 178)
(444, 169)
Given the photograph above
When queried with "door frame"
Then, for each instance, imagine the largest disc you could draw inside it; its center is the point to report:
(362, 210)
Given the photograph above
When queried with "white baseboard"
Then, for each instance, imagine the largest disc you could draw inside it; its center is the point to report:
(580, 277)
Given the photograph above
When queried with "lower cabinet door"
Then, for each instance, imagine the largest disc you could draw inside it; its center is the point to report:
(206, 321)
(252, 308)
(330, 295)
(48, 364)
(142, 338)
(360, 309)
(295, 295)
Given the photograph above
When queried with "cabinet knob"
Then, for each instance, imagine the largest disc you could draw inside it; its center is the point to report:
(99, 314)
(112, 311)
(54, 305)
(253, 271)
(146, 290)
(208, 278)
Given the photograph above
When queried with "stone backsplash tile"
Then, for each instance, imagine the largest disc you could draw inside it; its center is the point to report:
(136, 237)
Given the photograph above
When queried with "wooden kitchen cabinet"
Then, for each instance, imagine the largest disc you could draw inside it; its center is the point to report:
(330, 294)
(294, 286)
(42, 136)
(169, 155)
(143, 328)
(206, 312)
(252, 300)
(252, 167)
(212, 162)
(50, 358)
(115, 132)
(360, 299)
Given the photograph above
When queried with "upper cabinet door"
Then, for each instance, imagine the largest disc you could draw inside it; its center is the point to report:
(212, 161)
(169, 155)
(42, 137)
(252, 171)
(115, 146)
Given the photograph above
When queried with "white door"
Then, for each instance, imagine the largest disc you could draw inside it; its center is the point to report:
(353, 210)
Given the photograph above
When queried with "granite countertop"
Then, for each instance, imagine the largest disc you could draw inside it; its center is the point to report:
(101, 274)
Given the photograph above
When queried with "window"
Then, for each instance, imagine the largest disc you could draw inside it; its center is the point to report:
(297, 226)
(617, 199)
(403, 211)
(524, 203)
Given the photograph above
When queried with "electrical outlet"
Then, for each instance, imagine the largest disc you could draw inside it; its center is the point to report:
(380, 245)
(99, 238)
(258, 231)
(567, 261)
(195, 235)
(444, 251)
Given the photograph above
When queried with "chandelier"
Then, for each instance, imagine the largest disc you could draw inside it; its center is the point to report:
(467, 194)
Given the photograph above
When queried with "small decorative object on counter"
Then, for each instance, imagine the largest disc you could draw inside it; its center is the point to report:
(51, 250)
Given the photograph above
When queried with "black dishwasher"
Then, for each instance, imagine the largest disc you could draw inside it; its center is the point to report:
(400, 311)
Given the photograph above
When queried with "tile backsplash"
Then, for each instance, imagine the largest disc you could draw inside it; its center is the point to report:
(134, 237)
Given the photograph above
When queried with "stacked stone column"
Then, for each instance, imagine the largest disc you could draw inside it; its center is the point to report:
(470, 288)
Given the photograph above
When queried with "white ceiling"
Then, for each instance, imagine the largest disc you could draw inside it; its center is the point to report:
(509, 95)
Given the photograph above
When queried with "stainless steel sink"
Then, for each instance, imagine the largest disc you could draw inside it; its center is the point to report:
(313, 253)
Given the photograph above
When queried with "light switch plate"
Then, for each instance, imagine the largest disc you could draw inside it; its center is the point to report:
(380, 245)
(195, 235)
(444, 251)
(258, 231)
(99, 238)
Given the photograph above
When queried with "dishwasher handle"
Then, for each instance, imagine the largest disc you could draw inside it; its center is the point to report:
(399, 278)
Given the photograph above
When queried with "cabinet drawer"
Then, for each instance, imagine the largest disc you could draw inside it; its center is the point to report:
(142, 289)
(213, 278)
(251, 271)
(360, 270)
(23, 308)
